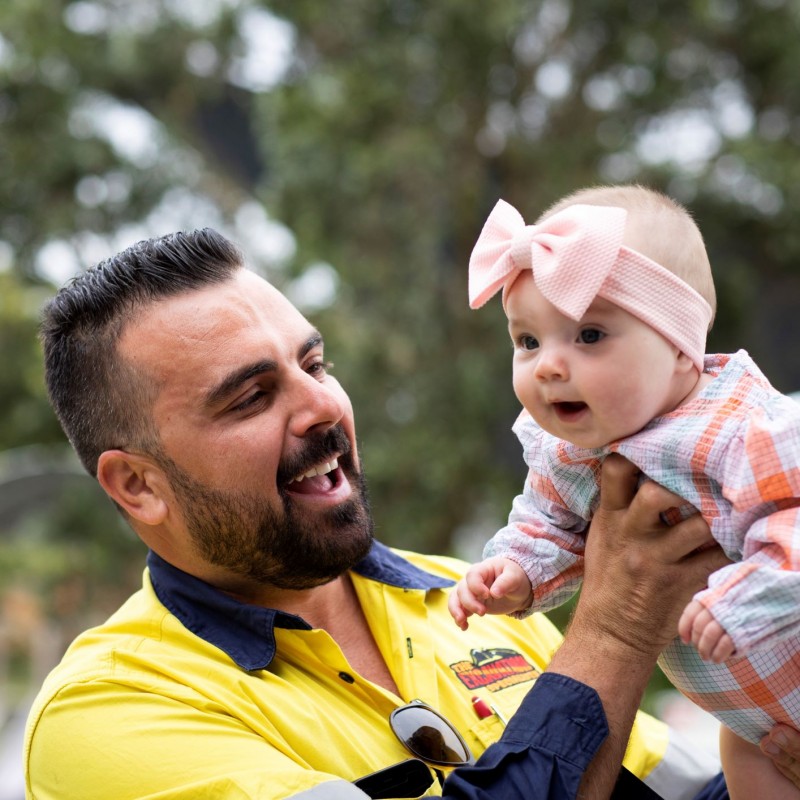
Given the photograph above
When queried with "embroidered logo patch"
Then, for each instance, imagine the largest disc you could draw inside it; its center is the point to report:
(494, 668)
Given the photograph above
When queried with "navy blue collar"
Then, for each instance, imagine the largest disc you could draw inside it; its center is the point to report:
(246, 632)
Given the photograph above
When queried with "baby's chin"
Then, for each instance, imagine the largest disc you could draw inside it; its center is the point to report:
(589, 444)
(590, 441)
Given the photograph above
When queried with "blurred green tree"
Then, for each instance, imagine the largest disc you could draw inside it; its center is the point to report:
(381, 132)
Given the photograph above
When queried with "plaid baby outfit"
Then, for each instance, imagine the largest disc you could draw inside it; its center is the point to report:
(733, 452)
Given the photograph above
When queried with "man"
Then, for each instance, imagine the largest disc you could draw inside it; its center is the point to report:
(273, 641)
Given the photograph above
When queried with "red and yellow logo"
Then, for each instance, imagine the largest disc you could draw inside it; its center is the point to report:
(495, 669)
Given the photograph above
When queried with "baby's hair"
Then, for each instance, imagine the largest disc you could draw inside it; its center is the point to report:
(658, 227)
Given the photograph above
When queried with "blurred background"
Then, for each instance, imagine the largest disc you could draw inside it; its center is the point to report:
(353, 150)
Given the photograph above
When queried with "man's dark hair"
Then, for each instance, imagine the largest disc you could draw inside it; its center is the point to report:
(102, 401)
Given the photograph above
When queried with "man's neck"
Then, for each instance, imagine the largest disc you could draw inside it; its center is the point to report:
(321, 607)
(318, 606)
(336, 609)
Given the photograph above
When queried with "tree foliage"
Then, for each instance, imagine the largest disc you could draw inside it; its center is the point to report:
(394, 129)
(401, 124)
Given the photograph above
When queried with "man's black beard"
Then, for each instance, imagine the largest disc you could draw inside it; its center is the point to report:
(286, 548)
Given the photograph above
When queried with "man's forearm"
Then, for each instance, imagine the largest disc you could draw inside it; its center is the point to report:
(619, 676)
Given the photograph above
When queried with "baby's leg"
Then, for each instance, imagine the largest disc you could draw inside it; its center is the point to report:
(749, 773)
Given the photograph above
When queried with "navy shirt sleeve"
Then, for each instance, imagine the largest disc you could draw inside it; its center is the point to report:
(546, 748)
(543, 752)
(715, 790)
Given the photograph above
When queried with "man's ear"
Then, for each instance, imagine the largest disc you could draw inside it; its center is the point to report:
(135, 483)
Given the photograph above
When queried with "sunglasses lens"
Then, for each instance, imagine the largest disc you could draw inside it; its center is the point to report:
(428, 736)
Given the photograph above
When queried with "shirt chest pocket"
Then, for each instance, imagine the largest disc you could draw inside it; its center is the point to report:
(502, 704)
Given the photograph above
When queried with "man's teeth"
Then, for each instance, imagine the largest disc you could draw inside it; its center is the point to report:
(322, 469)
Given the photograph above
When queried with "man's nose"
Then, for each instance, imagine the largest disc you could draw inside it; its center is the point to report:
(551, 364)
(317, 405)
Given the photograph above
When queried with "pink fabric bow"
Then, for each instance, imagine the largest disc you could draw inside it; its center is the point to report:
(570, 253)
(577, 255)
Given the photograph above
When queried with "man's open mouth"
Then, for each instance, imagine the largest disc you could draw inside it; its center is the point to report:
(321, 478)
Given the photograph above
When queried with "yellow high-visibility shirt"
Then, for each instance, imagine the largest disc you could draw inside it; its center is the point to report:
(186, 693)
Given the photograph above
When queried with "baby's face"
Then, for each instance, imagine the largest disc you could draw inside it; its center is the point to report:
(596, 380)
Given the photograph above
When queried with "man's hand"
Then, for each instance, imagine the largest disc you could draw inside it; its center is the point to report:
(782, 745)
(641, 572)
(697, 626)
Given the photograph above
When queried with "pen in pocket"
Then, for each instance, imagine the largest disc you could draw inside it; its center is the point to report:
(484, 710)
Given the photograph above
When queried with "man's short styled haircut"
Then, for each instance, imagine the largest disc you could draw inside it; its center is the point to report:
(101, 401)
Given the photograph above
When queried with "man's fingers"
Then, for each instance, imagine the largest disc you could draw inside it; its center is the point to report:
(656, 498)
(705, 561)
(782, 745)
(688, 542)
(620, 490)
(618, 481)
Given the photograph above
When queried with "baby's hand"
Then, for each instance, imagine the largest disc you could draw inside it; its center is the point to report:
(494, 586)
(698, 627)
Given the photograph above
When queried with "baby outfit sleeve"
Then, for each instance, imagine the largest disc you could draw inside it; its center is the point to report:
(755, 599)
(542, 535)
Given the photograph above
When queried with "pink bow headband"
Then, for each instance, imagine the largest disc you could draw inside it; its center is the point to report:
(577, 255)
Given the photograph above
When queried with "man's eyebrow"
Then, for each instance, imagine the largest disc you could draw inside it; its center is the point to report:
(230, 383)
(315, 340)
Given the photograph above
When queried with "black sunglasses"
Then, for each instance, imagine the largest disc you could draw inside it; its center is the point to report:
(429, 736)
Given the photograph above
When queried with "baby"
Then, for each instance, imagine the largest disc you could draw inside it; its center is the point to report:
(609, 298)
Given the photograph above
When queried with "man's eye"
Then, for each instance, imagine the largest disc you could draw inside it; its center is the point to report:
(591, 336)
(528, 342)
(250, 401)
(320, 368)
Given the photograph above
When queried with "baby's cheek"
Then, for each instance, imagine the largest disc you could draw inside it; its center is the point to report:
(525, 389)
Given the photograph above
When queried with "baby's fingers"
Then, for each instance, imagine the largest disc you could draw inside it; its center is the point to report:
(457, 610)
(514, 588)
(468, 601)
(478, 583)
(723, 649)
(686, 622)
(710, 639)
(700, 622)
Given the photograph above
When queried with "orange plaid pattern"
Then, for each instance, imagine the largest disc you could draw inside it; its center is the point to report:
(733, 453)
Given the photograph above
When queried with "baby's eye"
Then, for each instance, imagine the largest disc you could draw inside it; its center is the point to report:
(591, 336)
(527, 342)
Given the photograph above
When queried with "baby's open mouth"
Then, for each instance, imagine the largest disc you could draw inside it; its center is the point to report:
(569, 410)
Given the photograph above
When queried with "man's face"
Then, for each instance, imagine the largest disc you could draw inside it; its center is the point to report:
(257, 439)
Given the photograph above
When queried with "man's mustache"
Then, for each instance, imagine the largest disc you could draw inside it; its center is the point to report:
(316, 449)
